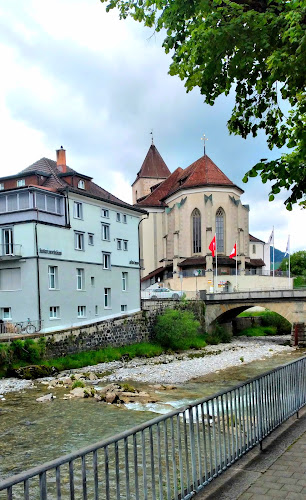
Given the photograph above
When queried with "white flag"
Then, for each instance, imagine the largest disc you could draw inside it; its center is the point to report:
(271, 237)
(287, 247)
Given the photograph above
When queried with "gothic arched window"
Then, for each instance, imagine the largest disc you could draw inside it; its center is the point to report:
(196, 231)
(220, 215)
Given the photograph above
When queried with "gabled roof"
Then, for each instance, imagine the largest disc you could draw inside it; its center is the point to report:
(253, 238)
(153, 166)
(155, 198)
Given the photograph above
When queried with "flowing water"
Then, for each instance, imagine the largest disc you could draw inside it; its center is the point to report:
(32, 433)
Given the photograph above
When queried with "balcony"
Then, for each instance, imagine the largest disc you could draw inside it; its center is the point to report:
(10, 251)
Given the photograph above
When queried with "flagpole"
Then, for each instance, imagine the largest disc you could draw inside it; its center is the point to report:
(289, 258)
(236, 265)
(273, 257)
(216, 262)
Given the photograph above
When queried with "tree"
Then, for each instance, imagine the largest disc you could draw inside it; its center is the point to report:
(256, 48)
(297, 263)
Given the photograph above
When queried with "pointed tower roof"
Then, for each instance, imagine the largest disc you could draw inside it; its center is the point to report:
(153, 166)
(155, 198)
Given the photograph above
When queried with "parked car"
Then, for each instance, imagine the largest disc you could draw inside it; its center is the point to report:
(161, 293)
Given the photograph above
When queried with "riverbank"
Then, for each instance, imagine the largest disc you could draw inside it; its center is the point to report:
(175, 368)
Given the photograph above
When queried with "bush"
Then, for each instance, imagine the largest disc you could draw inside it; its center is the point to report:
(270, 318)
(78, 383)
(178, 330)
(219, 336)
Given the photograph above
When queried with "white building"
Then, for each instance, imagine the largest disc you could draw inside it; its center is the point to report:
(69, 251)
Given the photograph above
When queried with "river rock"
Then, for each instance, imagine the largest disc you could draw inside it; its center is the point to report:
(112, 398)
(46, 397)
(78, 392)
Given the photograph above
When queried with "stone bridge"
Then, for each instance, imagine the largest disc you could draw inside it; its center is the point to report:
(224, 307)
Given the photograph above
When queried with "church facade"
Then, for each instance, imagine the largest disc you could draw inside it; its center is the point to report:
(186, 209)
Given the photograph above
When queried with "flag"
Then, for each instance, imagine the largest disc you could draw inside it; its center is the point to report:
(271, 237)
(212, 246)
(233, 252)
(287, 247)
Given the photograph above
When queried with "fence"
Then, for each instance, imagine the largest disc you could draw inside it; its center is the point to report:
(8, 328)
(174, 455)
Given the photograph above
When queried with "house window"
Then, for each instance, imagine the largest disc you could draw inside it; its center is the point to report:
(124, 219)
(220, 229)
(125, 244)
(254, 248)
(20, 182)
(124, 281)
(80, 279)
(196, 231)
(105, 213)
(119, 244)
(6, 313)
(53, 277)
(1, 186)
(106, 260)
(78, 210)
(12, 202)
(118, 217)
(105, 232)
(92, 281)
(78, 241)
(8, 241)
(81, 311)
(96, 311)
(81, 184)
(123, 307)
(47, 203)
(107, 298)
(90, 239)
(54, 312)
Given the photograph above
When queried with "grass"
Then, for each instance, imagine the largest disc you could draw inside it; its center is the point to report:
(258, 331)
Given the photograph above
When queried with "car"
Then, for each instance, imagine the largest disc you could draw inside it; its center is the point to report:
(161, 293)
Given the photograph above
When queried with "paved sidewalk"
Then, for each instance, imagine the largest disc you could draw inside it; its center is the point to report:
(278, 472)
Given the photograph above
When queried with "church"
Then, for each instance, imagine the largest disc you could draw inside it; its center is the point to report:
(186, 209)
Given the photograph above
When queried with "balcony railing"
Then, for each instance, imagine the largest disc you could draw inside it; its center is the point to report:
(10, 251)
(174, 455)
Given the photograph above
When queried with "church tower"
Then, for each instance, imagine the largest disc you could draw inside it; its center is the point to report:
(153, 171)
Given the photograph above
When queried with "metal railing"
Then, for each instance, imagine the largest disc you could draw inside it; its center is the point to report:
(174, 455)
(10, 250)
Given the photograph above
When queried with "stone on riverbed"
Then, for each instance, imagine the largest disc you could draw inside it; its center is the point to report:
(45, 398)
(34, 371)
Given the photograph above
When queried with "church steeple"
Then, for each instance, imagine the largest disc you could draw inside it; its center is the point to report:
(153, 171)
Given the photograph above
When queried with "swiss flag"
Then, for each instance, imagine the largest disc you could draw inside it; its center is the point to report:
(233, 252)
(212, 246)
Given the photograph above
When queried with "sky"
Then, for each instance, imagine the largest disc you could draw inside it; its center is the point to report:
(78, 77)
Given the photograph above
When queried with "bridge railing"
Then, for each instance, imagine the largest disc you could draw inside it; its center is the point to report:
(174, 455)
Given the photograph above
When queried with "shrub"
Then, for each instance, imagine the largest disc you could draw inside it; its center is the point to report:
(270, 318)
(218, 336)
(78, 383)
(177, 330)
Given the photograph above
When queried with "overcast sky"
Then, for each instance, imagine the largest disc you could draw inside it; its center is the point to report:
(76, 76)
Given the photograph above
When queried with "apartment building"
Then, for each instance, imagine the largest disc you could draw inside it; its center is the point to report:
(69, 251)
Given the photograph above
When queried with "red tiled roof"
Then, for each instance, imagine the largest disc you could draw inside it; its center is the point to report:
(202, 172)
(154, 198)
(153, 165)
(255, 263)
(159, 270)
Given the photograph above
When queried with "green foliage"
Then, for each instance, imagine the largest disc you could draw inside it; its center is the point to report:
(299, 282)
(282, 325)
(297, 264)
(257, 49)
(258, 331)
(219, 335)
(78, 383)
(21, 352)
(177, 330)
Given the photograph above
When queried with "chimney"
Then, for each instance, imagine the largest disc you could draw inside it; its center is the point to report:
(61, 160)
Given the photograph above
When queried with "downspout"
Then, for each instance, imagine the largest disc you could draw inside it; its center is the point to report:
(38, 277)
(145, 218)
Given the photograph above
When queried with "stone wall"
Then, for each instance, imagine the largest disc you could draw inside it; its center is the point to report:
(128, 329)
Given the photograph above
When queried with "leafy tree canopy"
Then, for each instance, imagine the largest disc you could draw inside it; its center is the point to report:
(257, 48)
(297, 263)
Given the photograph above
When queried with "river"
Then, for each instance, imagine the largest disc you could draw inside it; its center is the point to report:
(32, 433)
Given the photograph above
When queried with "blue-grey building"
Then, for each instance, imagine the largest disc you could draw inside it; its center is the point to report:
(69, 250)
